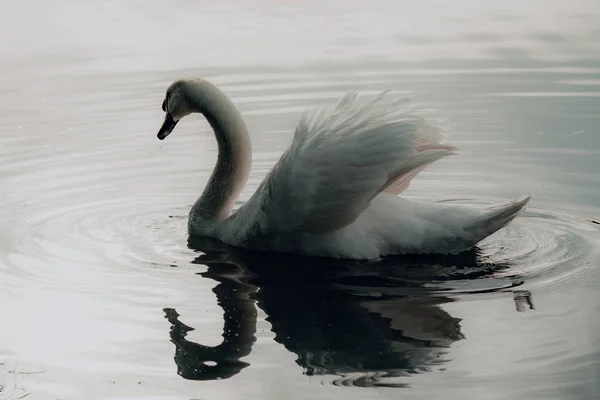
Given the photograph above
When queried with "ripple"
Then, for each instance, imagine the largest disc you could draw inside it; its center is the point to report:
(365, 380)
(541, 247)
(548, 249)
(111, 239)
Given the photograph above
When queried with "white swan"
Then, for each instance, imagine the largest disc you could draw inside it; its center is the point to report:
(333, 193)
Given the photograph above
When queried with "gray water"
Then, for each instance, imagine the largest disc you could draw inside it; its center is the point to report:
(103, 297)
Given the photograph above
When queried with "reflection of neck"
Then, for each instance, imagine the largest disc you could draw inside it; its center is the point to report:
(235, 153)
(239, 330)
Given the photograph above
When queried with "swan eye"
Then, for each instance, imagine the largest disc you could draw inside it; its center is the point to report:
(164, 104)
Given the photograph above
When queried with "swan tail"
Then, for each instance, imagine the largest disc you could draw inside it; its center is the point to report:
(499, 215)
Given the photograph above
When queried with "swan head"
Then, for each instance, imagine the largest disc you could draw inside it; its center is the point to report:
(176, 105)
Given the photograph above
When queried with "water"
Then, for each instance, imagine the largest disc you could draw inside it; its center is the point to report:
(104, 298)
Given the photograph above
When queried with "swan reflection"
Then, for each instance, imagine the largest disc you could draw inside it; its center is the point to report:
(523, 300)
(343, 318)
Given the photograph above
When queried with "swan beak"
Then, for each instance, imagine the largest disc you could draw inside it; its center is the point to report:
(167, 127)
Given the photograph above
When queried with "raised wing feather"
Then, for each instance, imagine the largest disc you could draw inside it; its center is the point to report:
(341, 157)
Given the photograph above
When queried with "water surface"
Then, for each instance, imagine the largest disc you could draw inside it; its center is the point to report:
(104, 297)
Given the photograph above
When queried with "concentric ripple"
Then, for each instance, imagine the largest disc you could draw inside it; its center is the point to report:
(547, 249)
(115, 235)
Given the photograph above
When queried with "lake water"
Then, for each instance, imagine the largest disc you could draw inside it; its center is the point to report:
(103, 297)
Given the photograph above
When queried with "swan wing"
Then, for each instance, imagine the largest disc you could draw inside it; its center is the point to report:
(341, 157)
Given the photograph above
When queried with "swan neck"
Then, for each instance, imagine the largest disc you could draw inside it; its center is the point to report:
(234, 155)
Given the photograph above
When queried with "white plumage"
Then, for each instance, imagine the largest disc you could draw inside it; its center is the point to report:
(333, 192)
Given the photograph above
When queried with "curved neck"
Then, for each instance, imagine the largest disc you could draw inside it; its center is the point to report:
(235, 153)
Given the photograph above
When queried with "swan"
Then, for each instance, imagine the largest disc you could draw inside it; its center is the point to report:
(334, 191)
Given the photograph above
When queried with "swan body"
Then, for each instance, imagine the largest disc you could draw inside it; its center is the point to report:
(334, 191)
